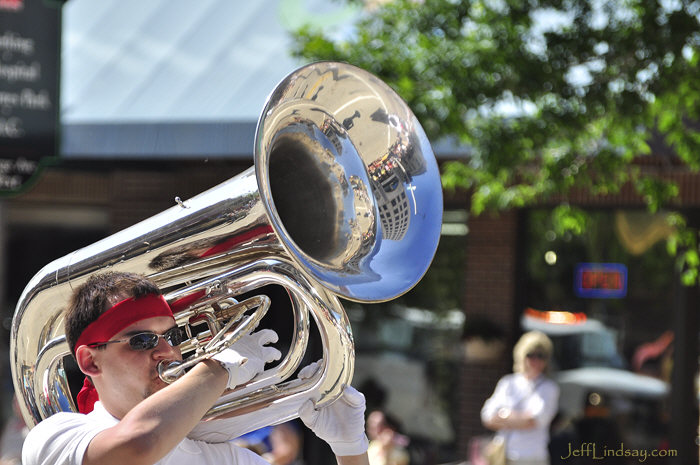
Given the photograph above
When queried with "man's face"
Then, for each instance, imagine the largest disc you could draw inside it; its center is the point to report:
(129, 376)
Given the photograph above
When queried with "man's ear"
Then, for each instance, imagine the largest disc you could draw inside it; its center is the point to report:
(85, 356)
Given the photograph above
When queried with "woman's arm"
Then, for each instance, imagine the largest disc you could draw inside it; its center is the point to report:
(508, 419)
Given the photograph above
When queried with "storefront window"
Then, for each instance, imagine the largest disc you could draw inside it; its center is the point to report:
(612, 349)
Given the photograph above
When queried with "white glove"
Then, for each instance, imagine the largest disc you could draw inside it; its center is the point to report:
(309, 370)
(341, 424)
(247, 356)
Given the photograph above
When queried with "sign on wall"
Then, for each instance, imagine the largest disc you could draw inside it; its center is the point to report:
(30, 47)
(600, 280)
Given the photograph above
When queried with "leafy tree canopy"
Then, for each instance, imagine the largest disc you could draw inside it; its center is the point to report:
(548, 96)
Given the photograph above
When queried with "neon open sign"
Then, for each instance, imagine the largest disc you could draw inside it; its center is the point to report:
(600, 280)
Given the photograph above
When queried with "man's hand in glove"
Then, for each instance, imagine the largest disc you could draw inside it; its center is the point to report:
(340, 424)
(247, 356)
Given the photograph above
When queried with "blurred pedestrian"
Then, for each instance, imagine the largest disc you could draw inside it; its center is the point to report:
(285, 445)
(387, 445)
(523, 404)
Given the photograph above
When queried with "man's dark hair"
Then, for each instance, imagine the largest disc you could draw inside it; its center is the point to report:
(99, 293)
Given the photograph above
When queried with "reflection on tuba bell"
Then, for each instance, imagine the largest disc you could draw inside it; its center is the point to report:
(344, 200)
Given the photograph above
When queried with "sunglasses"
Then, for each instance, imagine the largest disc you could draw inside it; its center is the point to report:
(539, 355)
(147, 340)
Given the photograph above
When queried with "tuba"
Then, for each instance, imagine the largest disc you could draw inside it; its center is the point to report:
(343, 201)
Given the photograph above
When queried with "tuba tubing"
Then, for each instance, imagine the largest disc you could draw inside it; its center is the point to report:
(343, 201)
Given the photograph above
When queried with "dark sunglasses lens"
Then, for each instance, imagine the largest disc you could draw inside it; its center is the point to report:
(175, 336)
(143, 341)
(536, 355)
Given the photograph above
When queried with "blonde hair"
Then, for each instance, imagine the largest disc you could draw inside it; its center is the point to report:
(530, 342)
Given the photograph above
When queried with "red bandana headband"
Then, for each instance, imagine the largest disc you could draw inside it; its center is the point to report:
(121, 315)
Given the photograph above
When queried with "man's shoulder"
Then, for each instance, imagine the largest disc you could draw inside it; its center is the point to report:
(60, 418)
(60, 438)
(56, 424)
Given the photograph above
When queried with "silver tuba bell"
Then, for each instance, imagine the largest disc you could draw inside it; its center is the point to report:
(344, 200)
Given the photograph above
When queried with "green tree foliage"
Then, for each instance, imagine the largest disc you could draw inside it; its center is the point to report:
(548, 96)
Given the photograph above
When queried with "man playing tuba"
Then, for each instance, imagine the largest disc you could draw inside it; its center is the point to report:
(119, 328)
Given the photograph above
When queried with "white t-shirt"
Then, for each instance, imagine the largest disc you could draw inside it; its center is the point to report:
(63, 438)
(538, 397)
